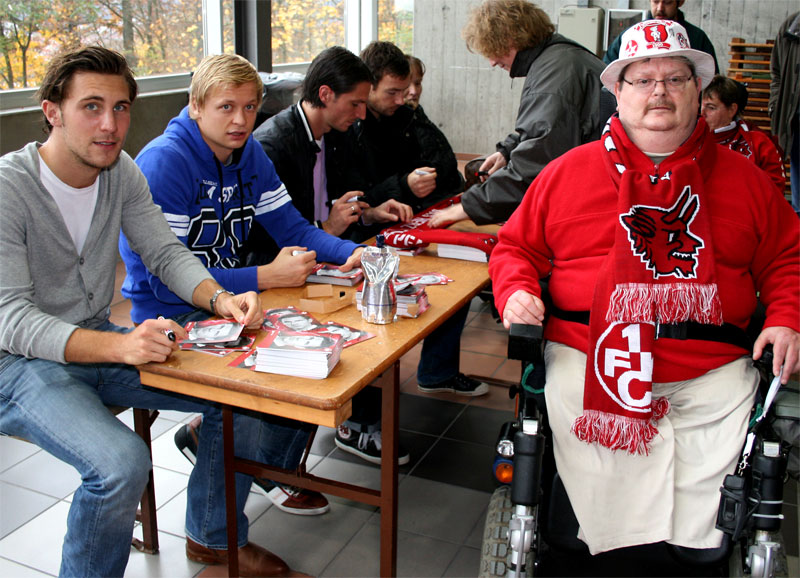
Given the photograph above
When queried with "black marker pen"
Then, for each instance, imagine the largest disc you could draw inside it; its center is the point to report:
(168, 332)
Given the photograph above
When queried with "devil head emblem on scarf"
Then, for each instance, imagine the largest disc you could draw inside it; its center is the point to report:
(661, 237)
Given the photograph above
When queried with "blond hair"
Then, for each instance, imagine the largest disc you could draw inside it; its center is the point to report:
(496, 26)
(223, 70)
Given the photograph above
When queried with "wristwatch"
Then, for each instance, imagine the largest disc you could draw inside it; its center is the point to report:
(213, 301)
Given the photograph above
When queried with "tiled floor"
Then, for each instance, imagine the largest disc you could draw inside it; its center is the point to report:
(444, 490)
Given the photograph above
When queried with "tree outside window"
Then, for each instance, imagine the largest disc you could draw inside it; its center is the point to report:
(166, 36)
(156, 36)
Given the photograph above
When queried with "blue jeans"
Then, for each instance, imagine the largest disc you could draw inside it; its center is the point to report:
(60, 408)
(285, 448)
(438, 362)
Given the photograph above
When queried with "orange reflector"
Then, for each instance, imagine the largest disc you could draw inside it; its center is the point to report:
(504, 471)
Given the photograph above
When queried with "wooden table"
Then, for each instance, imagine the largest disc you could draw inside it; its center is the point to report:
(328, 401)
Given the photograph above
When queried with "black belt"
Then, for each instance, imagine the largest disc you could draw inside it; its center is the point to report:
(725, 333)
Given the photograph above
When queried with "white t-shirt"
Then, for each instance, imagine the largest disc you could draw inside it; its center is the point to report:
(76, 205)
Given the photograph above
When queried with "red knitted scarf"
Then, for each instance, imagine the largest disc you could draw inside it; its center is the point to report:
(660, 270)
(418, 231)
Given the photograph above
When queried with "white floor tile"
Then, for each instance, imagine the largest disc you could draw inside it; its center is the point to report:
(45, 474)
(172, 515)
(166, 454)
(20, 505)
(170, 562)
(11, 569)
(168, 484)
(26, 545)
(13, 451)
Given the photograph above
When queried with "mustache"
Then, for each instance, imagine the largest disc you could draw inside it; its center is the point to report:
(661, 103)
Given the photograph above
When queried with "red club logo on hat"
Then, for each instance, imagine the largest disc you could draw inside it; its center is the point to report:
(631, 48)
(656, 36)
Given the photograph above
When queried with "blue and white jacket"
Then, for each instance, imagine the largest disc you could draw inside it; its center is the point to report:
(210, 208)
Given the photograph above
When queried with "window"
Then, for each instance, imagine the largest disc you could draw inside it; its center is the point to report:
(301, 29)
(396, 23)
(165, 39)
(157, 36)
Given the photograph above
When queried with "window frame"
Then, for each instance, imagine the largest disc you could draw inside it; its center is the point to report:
(360, 28)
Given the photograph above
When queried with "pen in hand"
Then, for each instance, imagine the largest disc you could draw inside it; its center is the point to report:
(168, 332)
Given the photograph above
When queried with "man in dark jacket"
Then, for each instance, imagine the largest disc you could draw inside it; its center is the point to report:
(300, 141)
(336, 91)
(559, 108)
(670, 10)
(388, 154)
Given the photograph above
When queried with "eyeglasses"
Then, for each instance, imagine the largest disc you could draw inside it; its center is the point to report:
(673, 83)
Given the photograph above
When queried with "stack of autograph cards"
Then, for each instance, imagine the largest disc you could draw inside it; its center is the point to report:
(216, 336)
(301, 328)
(326, 273)
(298, 353)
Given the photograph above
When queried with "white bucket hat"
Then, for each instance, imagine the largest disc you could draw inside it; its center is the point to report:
(656, 39)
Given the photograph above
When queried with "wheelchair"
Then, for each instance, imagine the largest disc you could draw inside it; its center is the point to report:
(531, 529)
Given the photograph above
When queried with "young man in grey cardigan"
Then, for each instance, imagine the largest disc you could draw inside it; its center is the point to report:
(64, 203)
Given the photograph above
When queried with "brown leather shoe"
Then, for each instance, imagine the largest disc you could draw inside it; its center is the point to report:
(253, 560)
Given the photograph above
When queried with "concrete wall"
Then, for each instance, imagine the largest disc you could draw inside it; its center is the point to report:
(149, 118)
(475, 106)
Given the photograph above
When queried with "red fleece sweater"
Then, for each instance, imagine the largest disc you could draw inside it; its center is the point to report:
(756, 146)
(564, 228)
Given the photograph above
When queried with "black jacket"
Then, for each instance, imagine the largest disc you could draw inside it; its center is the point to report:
(291, 147)
(378, 154)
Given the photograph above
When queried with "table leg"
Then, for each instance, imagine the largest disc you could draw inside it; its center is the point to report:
(230, 490)
(390, 382)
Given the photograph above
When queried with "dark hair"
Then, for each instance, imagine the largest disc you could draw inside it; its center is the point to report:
(337, 68)
(728, 91)
(56, 82)
(384, 58)
(416, 64)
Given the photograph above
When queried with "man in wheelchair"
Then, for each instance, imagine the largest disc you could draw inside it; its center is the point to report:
(657, 244)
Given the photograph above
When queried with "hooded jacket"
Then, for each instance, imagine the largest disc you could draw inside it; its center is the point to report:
(559, 109)
(210, 207)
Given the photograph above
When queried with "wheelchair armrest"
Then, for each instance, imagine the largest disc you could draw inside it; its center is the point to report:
(525, 342)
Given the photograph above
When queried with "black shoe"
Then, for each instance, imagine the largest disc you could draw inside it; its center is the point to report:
(186, 439)
(460, 384)
(366, 445)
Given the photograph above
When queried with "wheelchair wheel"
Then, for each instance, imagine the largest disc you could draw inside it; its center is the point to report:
(495, 552)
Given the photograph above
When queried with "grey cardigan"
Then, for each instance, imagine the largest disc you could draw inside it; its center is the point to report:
(48, 290)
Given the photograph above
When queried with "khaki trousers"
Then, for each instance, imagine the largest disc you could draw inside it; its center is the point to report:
(670, 495)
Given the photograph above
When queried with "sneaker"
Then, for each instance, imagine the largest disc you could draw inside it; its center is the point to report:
(288, 498)
(460, 384)
(186, 439)
(366, 445)
(294, 500)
